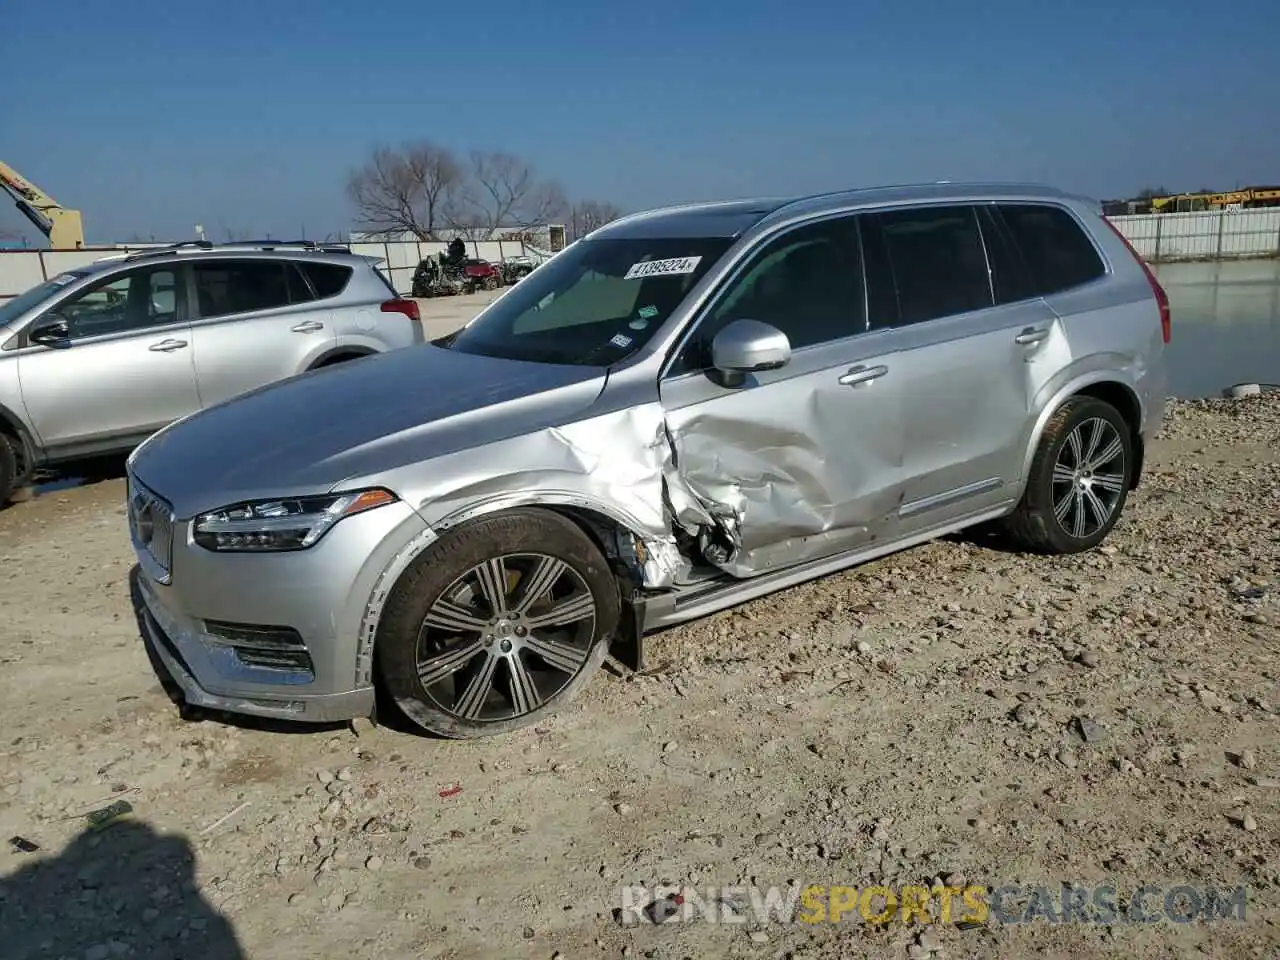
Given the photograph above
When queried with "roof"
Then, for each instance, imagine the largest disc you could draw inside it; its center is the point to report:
(732, 218)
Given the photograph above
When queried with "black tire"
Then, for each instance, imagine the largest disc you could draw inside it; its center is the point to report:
(9, 479)
(1063, 474)
(504, 683)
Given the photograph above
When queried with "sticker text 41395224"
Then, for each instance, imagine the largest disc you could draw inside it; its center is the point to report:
(663, 268)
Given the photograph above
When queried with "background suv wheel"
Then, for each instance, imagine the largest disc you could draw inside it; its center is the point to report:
(497, 625)
(1079, 479)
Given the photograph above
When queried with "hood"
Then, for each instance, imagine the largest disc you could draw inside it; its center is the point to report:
(310, 433)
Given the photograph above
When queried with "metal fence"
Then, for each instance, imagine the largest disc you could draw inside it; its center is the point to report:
(1211, 235)
(1158, 238)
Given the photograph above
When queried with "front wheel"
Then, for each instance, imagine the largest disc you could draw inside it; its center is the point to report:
(1079, 479)
(497, 625)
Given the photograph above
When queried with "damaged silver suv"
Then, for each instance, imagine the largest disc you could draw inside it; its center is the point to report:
(687, 409)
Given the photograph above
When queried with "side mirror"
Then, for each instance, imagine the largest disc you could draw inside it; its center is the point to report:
(52, 331)
(748, 346)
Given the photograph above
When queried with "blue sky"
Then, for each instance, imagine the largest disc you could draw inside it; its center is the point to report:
(153, 116)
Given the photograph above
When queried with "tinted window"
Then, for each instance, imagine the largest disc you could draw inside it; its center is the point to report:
(935, 261)
(132, 301)
(225, 287)
(1009, 276)
(299, 292)
(328, 279)
(807, 283)
(1058, 252)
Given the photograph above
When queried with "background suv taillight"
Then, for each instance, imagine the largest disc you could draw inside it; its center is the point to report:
(1162, 298)
(410, 309)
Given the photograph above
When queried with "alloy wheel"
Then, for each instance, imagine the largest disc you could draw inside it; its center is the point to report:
(505, 637)
(1088, 478)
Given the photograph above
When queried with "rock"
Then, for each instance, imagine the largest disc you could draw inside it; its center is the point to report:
(335, 901)
(373, 863)
(930, 940)
(527, 933)
(1248, 759)
(1068, 758)
(622, 809)
(297, 898)
(1090, 730)
(669, 746)
(149, 914)
(759, 936)
(1025, 712)
(1248, 824)
(1255, 616)
(324, 776)
(863, 647)
(344, 774)
(1088, 659)
(361, 726)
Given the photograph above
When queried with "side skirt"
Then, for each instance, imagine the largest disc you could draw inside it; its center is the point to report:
(667, 610)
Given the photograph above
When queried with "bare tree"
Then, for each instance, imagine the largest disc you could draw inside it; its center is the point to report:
(588, 215)
(410, 190)
(505, 191)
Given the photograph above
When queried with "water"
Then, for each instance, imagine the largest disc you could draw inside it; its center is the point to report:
(1226, 325)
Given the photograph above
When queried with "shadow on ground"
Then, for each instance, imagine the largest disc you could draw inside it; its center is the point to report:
(124, 890)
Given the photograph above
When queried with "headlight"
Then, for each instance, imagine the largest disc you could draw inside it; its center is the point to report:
(273, 525)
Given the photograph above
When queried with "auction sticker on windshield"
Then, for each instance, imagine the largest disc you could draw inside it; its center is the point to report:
(663, 268)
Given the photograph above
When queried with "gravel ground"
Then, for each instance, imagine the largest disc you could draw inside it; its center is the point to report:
(957, 711)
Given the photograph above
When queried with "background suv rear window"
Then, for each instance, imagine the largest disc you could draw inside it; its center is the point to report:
(240, 286)
(329, 279)
(1058, 253)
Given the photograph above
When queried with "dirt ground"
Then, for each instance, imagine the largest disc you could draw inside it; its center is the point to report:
(959, 709)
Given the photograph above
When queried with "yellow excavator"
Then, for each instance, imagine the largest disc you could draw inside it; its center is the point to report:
(62, 226)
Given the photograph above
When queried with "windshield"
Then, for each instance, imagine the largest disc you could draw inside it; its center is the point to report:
(595, 303)
(11, 310)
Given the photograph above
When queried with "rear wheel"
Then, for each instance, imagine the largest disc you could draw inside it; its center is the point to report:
(1079, 479)
(497, 625)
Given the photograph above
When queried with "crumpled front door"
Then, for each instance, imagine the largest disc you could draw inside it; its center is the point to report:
(798, 463)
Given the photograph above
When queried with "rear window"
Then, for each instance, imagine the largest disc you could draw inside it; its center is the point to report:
(1058, 253)
(328, 279)
(225, 287)
(927, 262)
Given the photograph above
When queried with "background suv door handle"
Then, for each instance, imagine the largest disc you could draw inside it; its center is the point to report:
(857, 375)
(1031, 335)
(167, 346)
(307, 326)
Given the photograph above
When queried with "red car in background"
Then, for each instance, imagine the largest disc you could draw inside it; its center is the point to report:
(481, 275)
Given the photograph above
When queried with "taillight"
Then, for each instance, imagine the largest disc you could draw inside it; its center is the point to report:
(1162, 298)
(408, 307)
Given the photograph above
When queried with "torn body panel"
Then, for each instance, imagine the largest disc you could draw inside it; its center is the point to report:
(616, 465)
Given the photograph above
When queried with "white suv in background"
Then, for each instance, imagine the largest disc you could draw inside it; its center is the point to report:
(95, 360)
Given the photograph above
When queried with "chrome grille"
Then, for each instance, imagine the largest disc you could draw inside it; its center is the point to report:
(151, 524)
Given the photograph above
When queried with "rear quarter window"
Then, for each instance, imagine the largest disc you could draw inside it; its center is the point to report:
(328, 279)
(1058, 253)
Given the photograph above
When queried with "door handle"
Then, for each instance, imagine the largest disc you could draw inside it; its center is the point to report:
(1030, 336)
(307, 326)
(167, 346)
(859, 375)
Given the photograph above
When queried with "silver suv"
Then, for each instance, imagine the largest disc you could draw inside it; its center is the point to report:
(95, 360)
(687, 409)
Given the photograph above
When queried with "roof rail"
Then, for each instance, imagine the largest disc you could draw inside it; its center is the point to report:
(261, 245)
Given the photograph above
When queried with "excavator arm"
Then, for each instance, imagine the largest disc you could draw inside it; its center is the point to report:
(62, 226)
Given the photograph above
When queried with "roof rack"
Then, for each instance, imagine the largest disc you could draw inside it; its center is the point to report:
(258, 245)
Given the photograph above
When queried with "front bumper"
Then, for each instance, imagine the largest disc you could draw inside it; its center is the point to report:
(322, 594)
